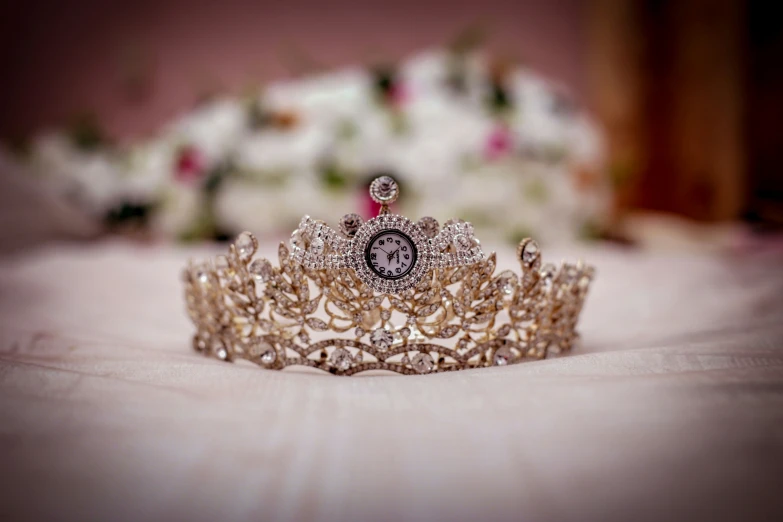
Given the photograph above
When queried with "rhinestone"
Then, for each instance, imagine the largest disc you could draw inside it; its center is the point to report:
(304, 337)
(423, 363)
(411, 320)
(429, 226)
(261, 269)
(384, 190)
(462, 344)
(202, 275)
(246, 245)
(341, 359)
(297, 239)
(405, 359)
(350, 224)
(530, 252)
(385, 315)
(502, 356)
(268, 354)
(358, 357)
(317, 246)
(219, 349)
(462, 243)
(382, 339)
(405, 332)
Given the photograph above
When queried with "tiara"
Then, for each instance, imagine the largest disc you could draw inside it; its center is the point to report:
(383, 294)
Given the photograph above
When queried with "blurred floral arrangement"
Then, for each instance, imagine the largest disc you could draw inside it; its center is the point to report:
(463, 135)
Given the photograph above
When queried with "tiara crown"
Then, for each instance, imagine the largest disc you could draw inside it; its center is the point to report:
(385, 294)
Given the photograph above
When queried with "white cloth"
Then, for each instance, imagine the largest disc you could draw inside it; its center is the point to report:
(672, 409)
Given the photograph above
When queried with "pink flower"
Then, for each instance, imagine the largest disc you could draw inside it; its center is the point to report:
(190, 164)
(398, 94)
(499, 143)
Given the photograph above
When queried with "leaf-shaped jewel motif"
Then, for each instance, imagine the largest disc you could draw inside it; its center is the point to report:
(311, 306)
(428, 310)
(449, 331)
(400, 305)
(316, 324)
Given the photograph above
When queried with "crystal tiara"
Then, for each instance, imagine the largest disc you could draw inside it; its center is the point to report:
(383, 294)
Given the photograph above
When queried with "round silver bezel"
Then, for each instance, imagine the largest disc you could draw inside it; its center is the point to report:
(389, 222)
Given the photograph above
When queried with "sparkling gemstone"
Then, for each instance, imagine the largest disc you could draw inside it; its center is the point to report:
(405, 359)
(429, 226)
(358, 357)
(507, 281)
(304, 337)
(350, 224)
(261, 269)
(359, 331)
(219, 349)
(297, 239)
(462, 243)
(384, 189)
(502, 356)
(246, 245)
(405, 332)
(317, 246)
(423, 363)
(202, 275)
(382, 339)
(267, 353)
(530, 252)
(385, 315)
(341, 359)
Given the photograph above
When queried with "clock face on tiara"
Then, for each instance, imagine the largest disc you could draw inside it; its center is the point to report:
(390, 254)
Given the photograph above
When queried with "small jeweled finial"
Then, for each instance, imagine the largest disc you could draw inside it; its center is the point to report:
(384, 190)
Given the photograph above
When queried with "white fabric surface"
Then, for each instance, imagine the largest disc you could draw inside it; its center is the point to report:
(672, 408)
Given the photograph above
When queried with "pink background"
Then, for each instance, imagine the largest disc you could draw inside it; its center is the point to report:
(62, 59)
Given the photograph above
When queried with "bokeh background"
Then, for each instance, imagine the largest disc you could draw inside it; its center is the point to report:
(647, 122)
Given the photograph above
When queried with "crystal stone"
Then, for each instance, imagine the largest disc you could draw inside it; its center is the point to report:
(317, 246)
(384, 189)
(246, 245)
(429, 226)
(261, 269)
(350, 224)
(219, 349)
(423, 363)
(502, 356)
(266, 353)
(297, 239)
(382, 339)
(341, 359)
(462, 243)
(202, 275)
(530, 252)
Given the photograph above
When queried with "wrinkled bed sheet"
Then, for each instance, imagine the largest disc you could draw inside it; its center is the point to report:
(671, 408)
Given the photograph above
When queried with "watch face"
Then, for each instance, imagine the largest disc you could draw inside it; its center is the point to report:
(390, 254)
